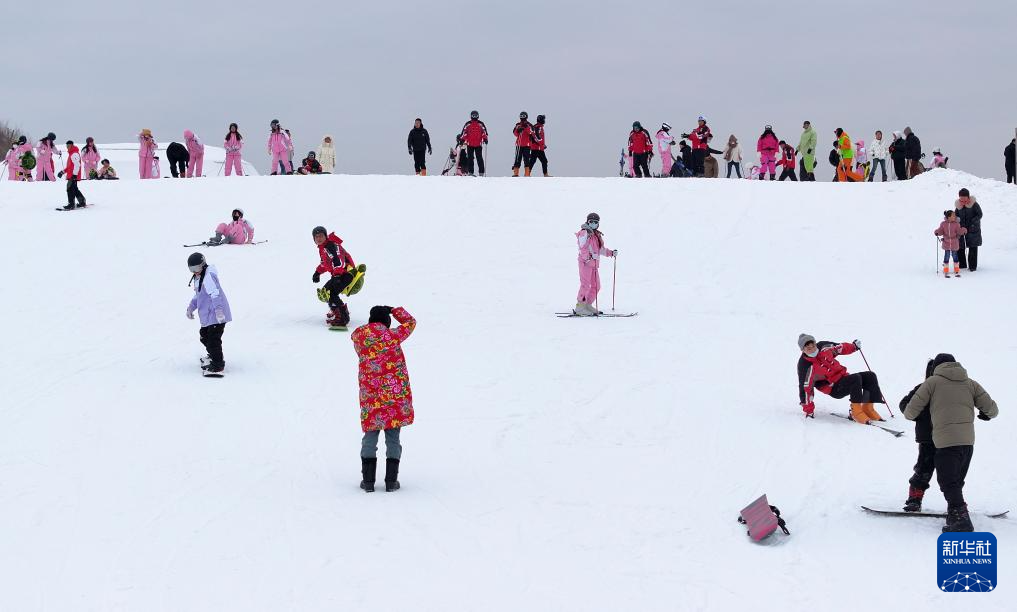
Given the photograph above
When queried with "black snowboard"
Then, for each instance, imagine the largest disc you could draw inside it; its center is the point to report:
(927, 513)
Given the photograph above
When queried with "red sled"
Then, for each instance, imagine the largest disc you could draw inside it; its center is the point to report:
(762, 519)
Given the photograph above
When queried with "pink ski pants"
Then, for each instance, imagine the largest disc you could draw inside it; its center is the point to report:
(233, 162)
(194, 165)
(589, 281)
(281, 156)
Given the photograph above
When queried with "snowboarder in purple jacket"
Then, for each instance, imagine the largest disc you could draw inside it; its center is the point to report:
(213, 310)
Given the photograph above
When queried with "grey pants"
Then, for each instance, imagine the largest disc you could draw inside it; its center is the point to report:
(369, 445)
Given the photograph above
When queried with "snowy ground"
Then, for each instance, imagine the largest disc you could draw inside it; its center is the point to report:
(123, 156)
(555, 464)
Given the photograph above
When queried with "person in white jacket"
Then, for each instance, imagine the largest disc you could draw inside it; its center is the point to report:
(733, 156)
(326, 154)
(878, 150)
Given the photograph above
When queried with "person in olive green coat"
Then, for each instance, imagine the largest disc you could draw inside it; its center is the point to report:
(952, 397)
(807, 152)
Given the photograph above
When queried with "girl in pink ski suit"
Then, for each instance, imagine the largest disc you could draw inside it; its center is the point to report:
(146, 153)
(239, 231)
(279, 145)
(233, 143)
(591, 247)
(767, 147)
(196, 153)
(17, 173)
(90, 158)
(664, 142)
(13, 163)
(44, 159)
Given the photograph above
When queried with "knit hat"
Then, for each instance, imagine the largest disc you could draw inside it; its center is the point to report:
(941, 359)
(381, 314)
(804, 339)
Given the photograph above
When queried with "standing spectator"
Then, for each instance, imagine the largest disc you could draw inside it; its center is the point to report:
(1010, 161)
(279, 147)
(44, 158)
(386, 402)
(847, 155)
(877, 154)
(700, 137)
(195, 152)
(418, 142)
(147, 147)
(898, 152)
(951, 232)
(686, 153)
(326, 154)
(641, 148)
(913, 153)
(787, 161)
(969, 213)
(733, 156)
(90, 159)
(233, 143)
(474, 134)
(861, 159)
(664, 142)
(178, 158)
(523, 131)
(73, 173)
(767, 147)
(951, 398)
(539, 145)
(807, 150)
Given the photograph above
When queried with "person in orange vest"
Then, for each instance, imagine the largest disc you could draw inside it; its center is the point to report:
(847, 156)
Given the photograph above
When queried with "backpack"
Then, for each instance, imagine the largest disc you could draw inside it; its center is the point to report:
(28, 161)
(834, 157)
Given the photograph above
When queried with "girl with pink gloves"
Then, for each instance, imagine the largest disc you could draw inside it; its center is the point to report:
(146, 154)
(233, 143)
(90, 158)
(196, 151)
(237, 232)
(767, 147)
(44, 158)
(591, 248)
(279, 145)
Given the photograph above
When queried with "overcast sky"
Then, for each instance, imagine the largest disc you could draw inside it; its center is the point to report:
(362, 71)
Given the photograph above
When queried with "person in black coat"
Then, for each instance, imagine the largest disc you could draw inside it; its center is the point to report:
(898, 149)
(417, 142)
(178, 157)
(969, 213)
(926, 464)
(913, 153)
(1010, 161)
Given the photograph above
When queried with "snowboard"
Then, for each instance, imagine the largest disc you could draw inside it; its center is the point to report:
(206, 244)
(610, 315)
(338, 328)
(895, 433)
(927, 514)
(62, 209)
(204, 361)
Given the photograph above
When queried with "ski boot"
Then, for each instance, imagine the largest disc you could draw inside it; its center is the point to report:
(339, 316)
(914, 502)
(871, 412)
(216, 240)
(858, 414)
(958, 519)
(368, 468)
(391, 475)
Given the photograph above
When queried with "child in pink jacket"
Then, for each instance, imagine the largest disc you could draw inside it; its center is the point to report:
(237, 232)
(196, 153)
(591, 248)
(146, 154)
(278, 147)
(951, 231)
(90, 158)
(767, 147)
(233, 143)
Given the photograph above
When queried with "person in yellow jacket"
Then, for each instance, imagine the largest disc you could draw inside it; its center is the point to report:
(847, 155)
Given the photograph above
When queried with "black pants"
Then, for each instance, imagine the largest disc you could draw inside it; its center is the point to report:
(801, 170)
(538, 155)
(788, 173)
(479, 153)
(900, 169)
(522, 155)
(863, 387)
(641, 164)
(178, 167)
(211, 337)
(736, 166)
(952, 465)
(872, 171)
(73, 193)
(418, 161)
(925, 466)
(698, 157)
(1011, 176)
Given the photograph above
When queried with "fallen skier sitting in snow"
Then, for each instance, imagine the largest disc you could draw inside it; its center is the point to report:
(239, 231)
(818, 368)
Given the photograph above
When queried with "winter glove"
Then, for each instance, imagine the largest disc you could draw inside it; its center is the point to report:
(857, 343)
(983, 416)
(316, 277)
(410, 151)
(220, 316)
(190, 314)
(614, 253)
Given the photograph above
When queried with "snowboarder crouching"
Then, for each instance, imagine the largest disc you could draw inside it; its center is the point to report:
(338, 263)
(818, 368)
(213, 310)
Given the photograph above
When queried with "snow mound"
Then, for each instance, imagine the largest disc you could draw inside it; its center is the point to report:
(558, 464)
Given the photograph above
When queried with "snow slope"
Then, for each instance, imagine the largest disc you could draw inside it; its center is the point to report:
(556, 464)
(123, 156)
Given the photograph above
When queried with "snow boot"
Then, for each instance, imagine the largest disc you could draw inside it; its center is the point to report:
(914, 502)
(515, 171)
(369, 468)
(946, 271)
(956, 270)
(958, 519)
(858, 413)
(69, 206)
(546, 175)
(391, 475)
(339, 315)
(773, 177)
(423, 172)
(528, 171)
(871, 412)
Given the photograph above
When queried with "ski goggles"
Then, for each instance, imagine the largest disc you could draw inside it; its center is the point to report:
(195, 268)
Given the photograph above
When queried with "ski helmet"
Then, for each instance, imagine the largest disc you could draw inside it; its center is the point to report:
(274, 123)
(311, 154)
(636, 125)
(474, 115)
(524, 115)
(319, 230)
(593, 217)
(541, 118)
(195, 262)
(767, 127)
(239, 210)
(936, 151)
(51, 136)
(702, 118)
(665, 127)
(22, 140)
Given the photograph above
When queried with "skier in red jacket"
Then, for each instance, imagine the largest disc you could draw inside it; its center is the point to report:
(338, 263)
(641, 149)
(818, 368)
(700, 139)
(523, 131)
(538, 144)
(787, 161)
(474, 134)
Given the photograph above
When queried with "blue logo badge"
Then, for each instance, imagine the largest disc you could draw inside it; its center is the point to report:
(967, 562)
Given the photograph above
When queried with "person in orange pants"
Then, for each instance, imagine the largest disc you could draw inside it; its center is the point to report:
(847, 157)
(818, 369)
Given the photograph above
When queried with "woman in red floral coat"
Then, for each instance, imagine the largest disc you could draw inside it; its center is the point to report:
(386, 402)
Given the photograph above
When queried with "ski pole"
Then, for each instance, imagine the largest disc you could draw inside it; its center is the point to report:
(883, 397)
(614, 280)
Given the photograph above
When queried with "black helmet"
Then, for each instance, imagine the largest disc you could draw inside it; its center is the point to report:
(311, 154)
(540, 118)
(319, 230)
(22, 140)
(51, 136)
(274, 123)
(524, 115)
(474, 115)
(636, 125)
(593, 217)
(195, 262)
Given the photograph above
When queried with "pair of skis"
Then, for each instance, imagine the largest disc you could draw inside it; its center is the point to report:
(206, 244)
(571, 315)
(895, 433)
